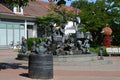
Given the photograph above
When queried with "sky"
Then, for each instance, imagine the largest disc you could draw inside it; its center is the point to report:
(69, 2)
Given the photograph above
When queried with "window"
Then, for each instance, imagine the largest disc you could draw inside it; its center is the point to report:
(18, 10)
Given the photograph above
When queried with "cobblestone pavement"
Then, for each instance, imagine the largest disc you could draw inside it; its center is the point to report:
(12, 69)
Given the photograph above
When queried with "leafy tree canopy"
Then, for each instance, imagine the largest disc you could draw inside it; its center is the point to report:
(16, 2)
(94, 15)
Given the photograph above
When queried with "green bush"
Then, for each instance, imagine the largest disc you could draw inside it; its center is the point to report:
(37, 40)
(97, 49)
(104, 52)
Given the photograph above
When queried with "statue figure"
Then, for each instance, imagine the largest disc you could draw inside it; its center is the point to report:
(23, 46)
(79, 45)
(43, 47)
(68, 46)
(47, 44)
(86, 43)
(40, 49)
(33, 48)
(83, 47)
(106, 32)
(23, 55)
(57, 34)
(86, 46)
(58, 49)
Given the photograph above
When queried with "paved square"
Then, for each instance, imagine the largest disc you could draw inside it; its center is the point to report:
(12, 69)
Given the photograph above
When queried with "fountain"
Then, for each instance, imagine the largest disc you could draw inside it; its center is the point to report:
(22, 52)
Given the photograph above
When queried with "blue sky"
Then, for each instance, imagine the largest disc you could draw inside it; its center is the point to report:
(69, 2)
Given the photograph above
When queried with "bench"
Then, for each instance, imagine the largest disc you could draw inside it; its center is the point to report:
(113, 51)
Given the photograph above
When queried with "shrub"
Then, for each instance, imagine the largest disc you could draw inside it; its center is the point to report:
(37, 40)
(97, 49)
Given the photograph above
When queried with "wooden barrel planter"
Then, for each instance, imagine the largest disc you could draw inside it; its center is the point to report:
(41, 66)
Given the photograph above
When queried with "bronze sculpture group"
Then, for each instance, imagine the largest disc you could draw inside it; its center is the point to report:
(58, 43)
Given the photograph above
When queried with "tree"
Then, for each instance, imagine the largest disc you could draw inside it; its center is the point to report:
(58, 15)
(43, 23)
(94, 15)
(16, 2)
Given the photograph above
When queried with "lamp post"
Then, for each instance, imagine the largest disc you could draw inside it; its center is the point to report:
(101, 49)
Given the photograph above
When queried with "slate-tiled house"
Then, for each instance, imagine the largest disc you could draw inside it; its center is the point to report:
(17, 22)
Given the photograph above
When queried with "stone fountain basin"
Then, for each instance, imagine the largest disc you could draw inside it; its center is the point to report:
(80, 60)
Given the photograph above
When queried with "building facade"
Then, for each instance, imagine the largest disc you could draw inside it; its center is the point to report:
(18, 22)
(12, 30)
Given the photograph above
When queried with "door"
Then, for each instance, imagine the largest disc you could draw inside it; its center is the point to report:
(29, 31)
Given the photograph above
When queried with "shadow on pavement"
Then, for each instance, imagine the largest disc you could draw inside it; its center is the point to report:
(24, 75)
(12, 66)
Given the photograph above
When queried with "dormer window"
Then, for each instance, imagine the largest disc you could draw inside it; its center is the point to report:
(18, 10)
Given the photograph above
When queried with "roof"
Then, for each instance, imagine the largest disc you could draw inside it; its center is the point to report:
(4, 9)
(34, 9)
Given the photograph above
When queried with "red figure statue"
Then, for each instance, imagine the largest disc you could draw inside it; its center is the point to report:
(107, 31)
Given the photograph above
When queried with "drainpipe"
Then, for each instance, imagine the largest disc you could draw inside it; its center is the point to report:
(25, 29)
(34, 30)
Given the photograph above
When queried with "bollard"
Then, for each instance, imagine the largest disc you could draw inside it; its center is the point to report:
(101, 53)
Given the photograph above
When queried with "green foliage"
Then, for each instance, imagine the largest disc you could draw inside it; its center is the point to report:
(16, 2)
(43, 21)
(94, 16)
(104, 52)
(94, 49)
(57, 15)
(37, 40)
(97, 49)
(116, 35)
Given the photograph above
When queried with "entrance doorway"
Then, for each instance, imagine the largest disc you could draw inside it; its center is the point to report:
(29, 31)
